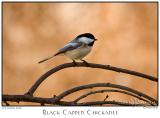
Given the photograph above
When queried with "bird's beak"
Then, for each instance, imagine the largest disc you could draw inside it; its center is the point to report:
(96, 39)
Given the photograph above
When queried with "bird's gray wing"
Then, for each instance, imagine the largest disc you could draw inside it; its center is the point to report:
(70, 46)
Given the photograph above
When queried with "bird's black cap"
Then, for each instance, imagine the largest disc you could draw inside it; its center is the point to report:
(88, 35)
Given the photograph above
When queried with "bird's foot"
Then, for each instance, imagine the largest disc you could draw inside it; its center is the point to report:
(87, 64)
(74, 62)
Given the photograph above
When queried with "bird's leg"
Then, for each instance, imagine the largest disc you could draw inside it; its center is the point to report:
(85, 62)
(74, 62)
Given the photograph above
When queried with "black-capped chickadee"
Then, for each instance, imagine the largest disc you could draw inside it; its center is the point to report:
(76, 49)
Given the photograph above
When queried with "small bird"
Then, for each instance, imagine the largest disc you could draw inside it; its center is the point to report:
(76, 49)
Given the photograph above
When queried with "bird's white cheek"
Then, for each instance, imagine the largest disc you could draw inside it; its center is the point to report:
(85, 40)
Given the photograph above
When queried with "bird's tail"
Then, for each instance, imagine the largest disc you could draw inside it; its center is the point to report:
(46, 59)
(49, 57)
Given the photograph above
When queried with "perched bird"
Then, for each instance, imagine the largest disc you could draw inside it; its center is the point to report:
(76, 49)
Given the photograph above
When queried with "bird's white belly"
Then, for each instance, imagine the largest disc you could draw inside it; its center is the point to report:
(78, 53)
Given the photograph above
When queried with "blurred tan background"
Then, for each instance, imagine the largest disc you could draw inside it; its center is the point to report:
(127, 38)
